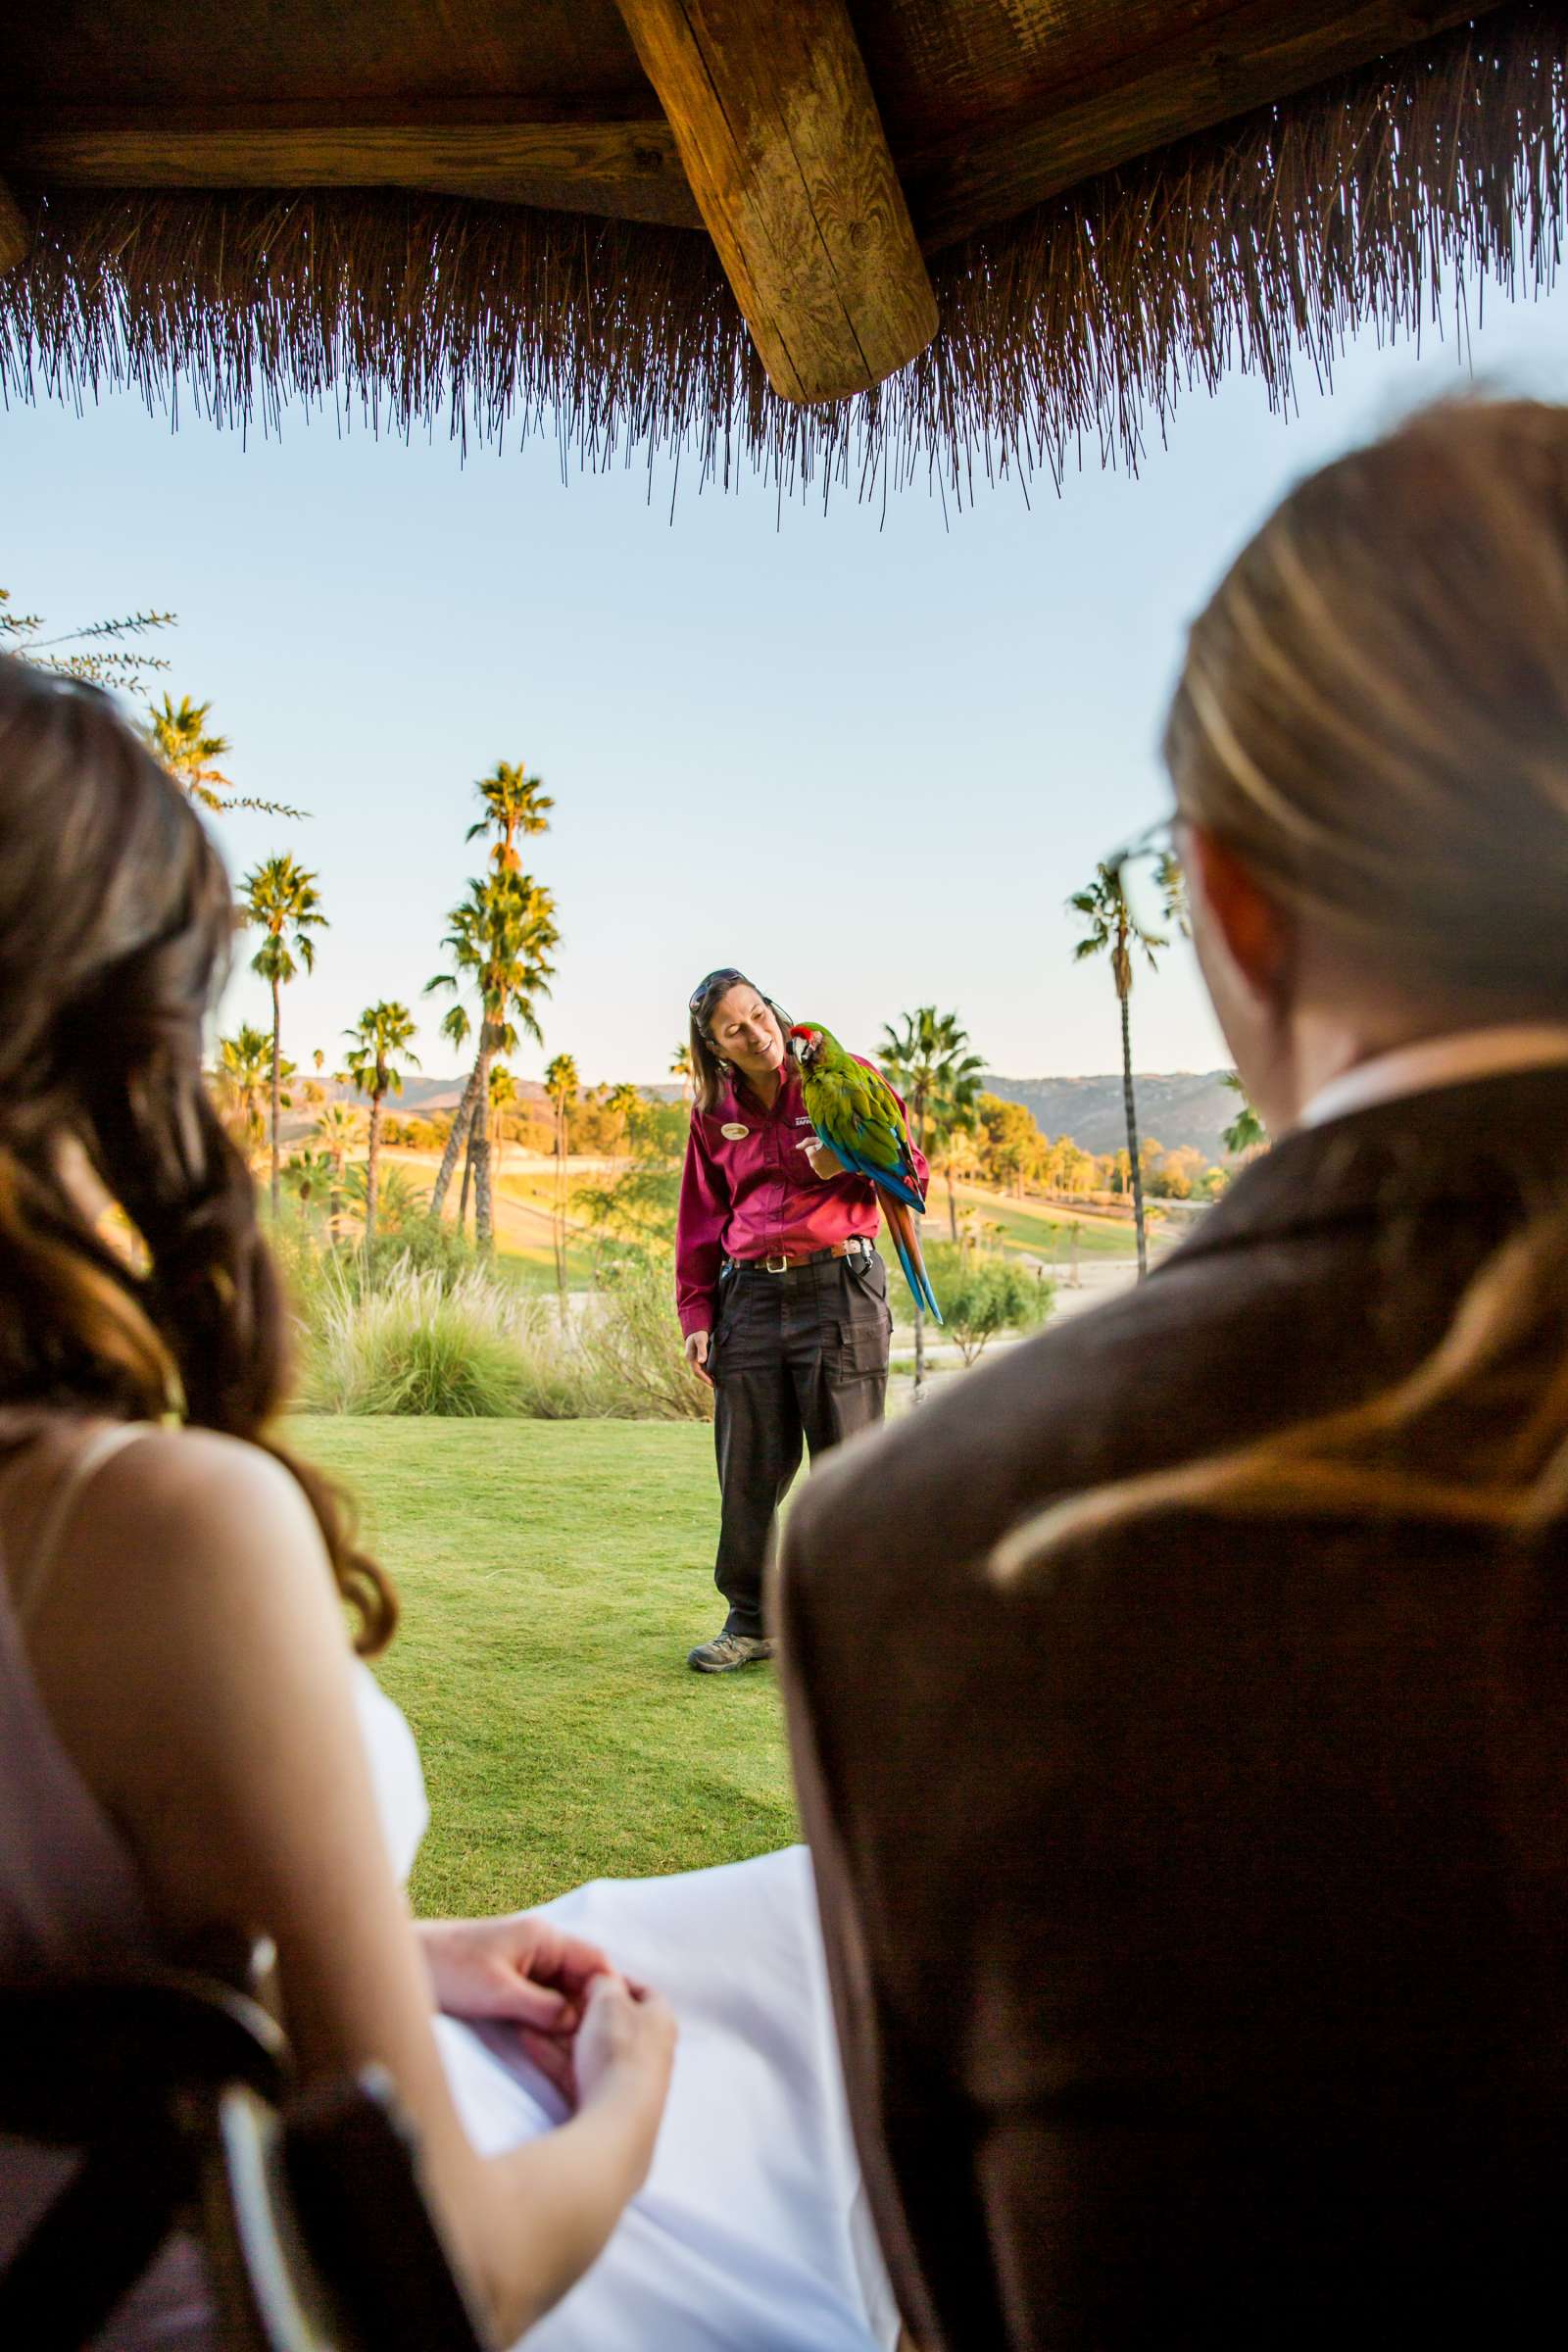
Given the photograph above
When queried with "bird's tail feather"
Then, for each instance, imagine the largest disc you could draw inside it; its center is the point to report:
(906, 1241)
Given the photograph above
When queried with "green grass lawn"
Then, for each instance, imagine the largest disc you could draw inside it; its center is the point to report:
(1028, 1225)
(553, 1577)
(535, 1269)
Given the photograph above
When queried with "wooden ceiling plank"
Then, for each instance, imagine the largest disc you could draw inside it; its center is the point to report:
(636, 159)
(778, 127)
(14, 237)
(1267, 50)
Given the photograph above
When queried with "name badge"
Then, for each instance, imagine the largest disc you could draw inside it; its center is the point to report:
(733, 1129)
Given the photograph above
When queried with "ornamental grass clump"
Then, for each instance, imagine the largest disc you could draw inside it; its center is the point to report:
(415, 1343)
(460, 1340)
(633, 1344)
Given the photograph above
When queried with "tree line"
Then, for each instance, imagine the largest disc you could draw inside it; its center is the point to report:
(498, 966)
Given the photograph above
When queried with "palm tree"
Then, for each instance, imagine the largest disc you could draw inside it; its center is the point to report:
(339, 1131)
(514, 802)
(620, 1102)
(467, 1174)
(456, 1029)
(383, 1029)
(398, 1199)
(940, 1079)
(927, 1060)
(466, 943)
(680, 1067)
(500, 939)
(282, 899)
(503, 1090)
(561, 1085)
(1114, 930)
(310, 1176)
(243, 1062)
(176, 736)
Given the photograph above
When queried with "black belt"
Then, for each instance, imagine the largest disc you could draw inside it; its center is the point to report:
(784, 1262)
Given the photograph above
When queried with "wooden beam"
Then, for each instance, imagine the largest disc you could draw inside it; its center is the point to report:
(626, 168)
(779, 133)
(1264, 50)
(14, 236)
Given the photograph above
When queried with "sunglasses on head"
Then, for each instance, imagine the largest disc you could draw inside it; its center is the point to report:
(726, 972)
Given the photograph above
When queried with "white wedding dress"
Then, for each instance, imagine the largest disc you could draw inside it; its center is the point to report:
(753, 2232)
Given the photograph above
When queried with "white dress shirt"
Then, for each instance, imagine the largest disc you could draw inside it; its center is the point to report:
(1436, 1061)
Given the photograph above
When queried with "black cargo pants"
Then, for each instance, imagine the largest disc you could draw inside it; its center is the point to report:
(796, 1357)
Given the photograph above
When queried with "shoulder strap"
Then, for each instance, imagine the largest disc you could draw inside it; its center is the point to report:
(31, 1575)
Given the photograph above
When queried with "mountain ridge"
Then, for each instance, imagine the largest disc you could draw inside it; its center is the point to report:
(1175, 1107)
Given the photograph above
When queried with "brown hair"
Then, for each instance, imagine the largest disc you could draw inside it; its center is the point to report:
(1373, 714)
(710, 1075)
(114, 928)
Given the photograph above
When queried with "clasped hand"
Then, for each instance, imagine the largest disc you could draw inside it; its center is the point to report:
(577, 2017)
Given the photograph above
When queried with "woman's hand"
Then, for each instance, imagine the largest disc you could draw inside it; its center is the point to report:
(624, 2049)
(824, 1164)
(697, 1355)
(521, 1968)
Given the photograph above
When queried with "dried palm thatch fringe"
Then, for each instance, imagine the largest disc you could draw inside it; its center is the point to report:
(1259, 246)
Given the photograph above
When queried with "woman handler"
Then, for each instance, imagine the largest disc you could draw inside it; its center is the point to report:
(781, 1294)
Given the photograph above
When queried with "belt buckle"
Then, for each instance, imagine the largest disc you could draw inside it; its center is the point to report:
(776, 1266)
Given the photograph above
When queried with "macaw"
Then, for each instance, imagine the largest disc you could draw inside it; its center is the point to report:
(859, 1118)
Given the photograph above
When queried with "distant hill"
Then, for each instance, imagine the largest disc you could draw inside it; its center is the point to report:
(422, 1095)
(1176, 1108)
(1182, 1106)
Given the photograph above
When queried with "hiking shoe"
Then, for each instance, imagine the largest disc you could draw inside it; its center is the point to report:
(726, 1651)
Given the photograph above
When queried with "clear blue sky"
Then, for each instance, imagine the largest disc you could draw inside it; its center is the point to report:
(866, 758)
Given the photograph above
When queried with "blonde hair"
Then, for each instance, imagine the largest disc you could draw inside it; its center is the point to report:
(1373, 715)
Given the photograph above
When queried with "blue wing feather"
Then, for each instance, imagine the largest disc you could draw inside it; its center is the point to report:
(892, 1180)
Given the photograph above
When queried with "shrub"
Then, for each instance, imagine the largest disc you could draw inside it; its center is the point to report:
(982, 1292)
(439, 1250)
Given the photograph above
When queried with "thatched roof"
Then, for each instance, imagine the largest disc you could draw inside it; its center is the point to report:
(512, 215)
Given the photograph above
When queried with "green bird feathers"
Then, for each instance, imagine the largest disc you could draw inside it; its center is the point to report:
(858, 1116)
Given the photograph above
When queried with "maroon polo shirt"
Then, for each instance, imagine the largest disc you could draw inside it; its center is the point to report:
(750, 1192)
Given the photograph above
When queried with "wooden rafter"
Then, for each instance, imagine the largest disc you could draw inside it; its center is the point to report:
(778, 127)
(628, 168)
(1259, 52)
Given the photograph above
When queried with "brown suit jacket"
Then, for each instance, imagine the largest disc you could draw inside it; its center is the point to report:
(1199, 1953)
